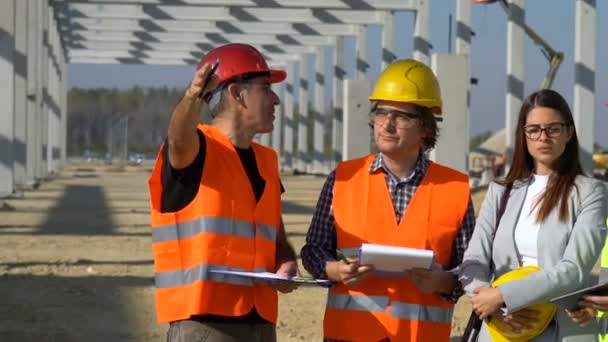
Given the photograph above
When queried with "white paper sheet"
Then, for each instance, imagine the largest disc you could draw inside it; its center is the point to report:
(395, 259)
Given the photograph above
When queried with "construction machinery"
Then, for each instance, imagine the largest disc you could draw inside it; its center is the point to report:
(554, 57)
(600, 164)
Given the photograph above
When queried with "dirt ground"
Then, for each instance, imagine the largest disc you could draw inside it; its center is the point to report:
(76, 262)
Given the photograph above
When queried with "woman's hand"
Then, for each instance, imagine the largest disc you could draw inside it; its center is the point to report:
(517, 321)
(595, 302)
(486, 301)
(582, 316)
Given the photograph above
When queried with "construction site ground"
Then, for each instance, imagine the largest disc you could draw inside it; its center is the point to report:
(76, 260)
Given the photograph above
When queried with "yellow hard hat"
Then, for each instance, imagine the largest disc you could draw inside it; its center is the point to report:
(409, 81)
(502, 333)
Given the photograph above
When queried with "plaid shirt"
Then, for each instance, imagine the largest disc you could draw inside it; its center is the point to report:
(321, 241)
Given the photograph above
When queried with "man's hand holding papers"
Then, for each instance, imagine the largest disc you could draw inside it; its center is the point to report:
(348, 271)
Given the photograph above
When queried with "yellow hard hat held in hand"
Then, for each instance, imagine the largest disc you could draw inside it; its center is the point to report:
(408, 81)
(502, 333)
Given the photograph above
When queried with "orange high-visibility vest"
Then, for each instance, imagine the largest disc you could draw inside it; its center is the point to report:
(222, 228)
(385, 305)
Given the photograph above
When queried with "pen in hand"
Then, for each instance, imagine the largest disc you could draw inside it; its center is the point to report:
(342, 258)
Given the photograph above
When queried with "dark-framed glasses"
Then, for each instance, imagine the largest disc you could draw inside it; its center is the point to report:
(552, 130)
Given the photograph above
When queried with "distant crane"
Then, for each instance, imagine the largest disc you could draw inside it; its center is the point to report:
(554, 57)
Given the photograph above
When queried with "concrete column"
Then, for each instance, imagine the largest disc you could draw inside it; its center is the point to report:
(20, 130)
(584, 77)
(52, 108)
(422, 32)
(303, 156)
(388, 39)
(515, 71)
(277, 132)
(356, 118)
(463, 47)
(463, 27)
(265, 139)
(337, 102)
(362, 61)
(289, 122)
(63, 100)
(452, 147)
(58, 90)
(43, 156)
(7, 95)
(320, 127)
(33, 94)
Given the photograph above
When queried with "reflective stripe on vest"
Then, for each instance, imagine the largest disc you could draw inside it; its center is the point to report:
(421, 312)
(357, 302)
(397, 309)
(218, 225)
(200, 273)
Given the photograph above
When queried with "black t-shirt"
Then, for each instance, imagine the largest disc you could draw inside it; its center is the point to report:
(181, 186)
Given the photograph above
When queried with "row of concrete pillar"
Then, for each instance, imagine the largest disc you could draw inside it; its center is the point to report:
(33, 120)
(349, 141)
(340, 124)
(583, 107)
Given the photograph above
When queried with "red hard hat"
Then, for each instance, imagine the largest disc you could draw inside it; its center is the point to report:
(238, 60)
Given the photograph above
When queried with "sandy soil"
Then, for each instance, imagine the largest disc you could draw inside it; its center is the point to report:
(76, 263)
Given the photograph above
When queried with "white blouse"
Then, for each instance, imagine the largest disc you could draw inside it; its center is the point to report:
(526, 230)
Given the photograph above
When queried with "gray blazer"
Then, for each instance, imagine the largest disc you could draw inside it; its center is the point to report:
(567, 252)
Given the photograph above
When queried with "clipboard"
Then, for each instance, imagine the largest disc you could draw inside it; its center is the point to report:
(570, 300)
(273, 277)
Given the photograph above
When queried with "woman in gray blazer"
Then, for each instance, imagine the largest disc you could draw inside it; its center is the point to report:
(554, 218)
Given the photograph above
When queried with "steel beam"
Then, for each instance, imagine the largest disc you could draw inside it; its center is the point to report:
(154, 61)
(252, 14)
(317, 4)
(77, 25)
(193, 37)
(150, 48)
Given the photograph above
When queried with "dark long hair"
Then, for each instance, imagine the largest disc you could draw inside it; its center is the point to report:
(566, 167)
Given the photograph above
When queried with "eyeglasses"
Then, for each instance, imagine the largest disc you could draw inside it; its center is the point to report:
(552, 130)
(402, 119)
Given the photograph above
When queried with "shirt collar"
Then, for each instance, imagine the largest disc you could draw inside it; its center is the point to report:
(422, 164)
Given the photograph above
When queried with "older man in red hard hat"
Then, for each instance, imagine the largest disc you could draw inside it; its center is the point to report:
(216, 205)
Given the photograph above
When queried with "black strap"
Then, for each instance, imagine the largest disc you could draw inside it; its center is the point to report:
(471, 332)
(503, 205)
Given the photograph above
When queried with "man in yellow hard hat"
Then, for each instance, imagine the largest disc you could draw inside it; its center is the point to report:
(394, 197)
